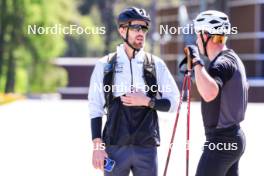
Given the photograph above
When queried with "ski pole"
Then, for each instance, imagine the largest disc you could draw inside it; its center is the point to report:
(175, 126)
(186, 80)
(189, 69)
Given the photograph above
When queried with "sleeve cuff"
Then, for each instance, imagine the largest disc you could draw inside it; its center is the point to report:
(96, 127)
(162, 105)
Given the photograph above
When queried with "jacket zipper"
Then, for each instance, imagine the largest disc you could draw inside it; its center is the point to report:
(131, 72)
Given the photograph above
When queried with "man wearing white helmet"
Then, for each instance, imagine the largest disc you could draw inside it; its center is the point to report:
(223, 88)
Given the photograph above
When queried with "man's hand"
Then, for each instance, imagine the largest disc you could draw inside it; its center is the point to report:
(99, 154)
(137, 98)
(194, 53)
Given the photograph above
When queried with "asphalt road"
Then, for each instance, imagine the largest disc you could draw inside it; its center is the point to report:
(52, 138)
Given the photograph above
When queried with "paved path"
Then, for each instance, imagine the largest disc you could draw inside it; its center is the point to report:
(52, 138)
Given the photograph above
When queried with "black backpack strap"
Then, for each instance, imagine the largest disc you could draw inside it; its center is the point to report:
(109, 76)
(149, 64)
(149, 72)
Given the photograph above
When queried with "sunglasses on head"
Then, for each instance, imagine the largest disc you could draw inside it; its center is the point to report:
(138, 27)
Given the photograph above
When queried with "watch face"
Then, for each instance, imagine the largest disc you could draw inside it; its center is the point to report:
(152, 103)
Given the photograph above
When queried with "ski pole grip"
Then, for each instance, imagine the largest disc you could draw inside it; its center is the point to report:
(189, 59)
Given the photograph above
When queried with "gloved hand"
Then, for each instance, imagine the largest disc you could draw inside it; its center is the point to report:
(194, 55)
(194, 52)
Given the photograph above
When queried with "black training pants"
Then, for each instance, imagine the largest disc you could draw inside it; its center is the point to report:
(222, 152)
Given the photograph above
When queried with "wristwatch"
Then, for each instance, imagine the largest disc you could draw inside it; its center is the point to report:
(152, 103)
(198, 62)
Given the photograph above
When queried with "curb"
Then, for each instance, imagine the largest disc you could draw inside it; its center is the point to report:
(10, 97)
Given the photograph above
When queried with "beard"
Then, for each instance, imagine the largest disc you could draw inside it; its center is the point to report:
(138, 44)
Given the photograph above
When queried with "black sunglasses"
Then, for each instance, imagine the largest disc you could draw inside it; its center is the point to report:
(138, 27)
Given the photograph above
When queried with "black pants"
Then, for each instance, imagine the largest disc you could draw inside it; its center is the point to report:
(222, 152)
(142, 161)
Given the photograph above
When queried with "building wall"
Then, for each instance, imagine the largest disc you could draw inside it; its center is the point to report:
(248, 43)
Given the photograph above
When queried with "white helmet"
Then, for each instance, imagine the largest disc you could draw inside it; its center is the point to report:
(213, 22)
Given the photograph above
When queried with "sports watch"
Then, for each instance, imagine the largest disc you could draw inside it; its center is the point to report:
(152, 103)
(198, 62)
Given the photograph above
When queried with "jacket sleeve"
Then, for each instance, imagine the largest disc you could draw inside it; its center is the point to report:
(96, 100)
(167, 85)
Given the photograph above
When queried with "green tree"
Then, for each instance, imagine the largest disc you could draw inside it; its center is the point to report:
(31, 54)
(106, 8)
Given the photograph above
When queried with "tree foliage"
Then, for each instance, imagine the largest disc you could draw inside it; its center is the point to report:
(26, 58)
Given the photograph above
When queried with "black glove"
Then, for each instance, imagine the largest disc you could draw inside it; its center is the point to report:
(194, 54)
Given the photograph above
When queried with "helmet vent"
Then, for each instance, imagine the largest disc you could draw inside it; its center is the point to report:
(214, 21)
(223, 18)
(201, 19)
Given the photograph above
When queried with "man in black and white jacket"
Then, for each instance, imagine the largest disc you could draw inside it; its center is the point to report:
(141, 85)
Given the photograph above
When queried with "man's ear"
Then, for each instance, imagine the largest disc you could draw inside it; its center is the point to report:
(122, 31)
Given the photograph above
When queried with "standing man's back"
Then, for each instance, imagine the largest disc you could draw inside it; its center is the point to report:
(224, 89)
